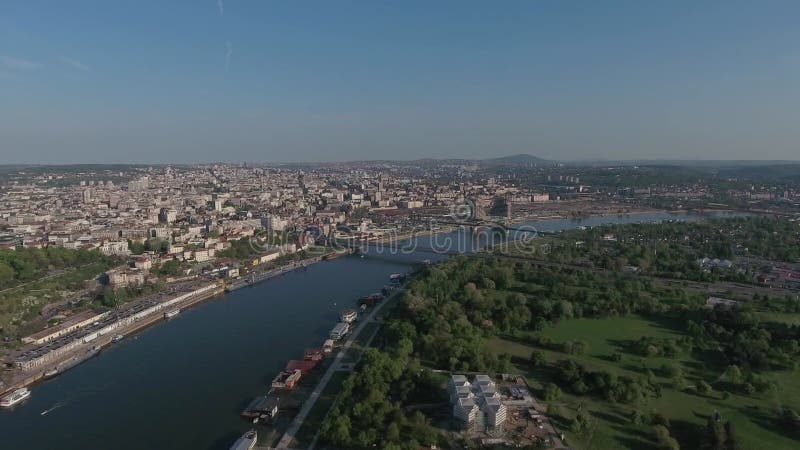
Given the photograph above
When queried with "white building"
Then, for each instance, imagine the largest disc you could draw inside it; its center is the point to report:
(477, 405)
(115, 248)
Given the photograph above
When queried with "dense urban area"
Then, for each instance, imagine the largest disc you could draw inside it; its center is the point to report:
(673, 334)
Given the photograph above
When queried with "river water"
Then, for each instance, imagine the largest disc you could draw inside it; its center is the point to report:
(181, 384)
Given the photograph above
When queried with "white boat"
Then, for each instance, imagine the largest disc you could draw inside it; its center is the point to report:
(348, 316)
(171, 314)
(15, 397)
(118, 338)
(339, 331)
(246, 442)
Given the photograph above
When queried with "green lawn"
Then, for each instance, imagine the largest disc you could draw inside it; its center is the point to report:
(751, 416)
(790, 318)
(313, 421)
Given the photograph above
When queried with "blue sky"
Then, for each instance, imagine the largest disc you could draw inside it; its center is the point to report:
(237, 80)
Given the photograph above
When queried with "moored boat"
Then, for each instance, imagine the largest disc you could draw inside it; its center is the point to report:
(348, 316)
(287, 379)
(14, 397)
(72, 362)
(171, 314)
(246, 442)
(314, 354)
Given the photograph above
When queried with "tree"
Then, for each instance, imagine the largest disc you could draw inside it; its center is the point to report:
(393, 433)
(504, 363)
(551, 392)
(580, 423)
(538, 358)
(340, 434)
(703, 387)
(665, 441)
(731, 442)
(6, 273)
(659, 419)
(671, 370)
(580, 347)
(733, 374)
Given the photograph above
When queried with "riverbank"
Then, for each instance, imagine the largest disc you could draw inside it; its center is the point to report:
(256, 277)
(85, 350)
(102, 340)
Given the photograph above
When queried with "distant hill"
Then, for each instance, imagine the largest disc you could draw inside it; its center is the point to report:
(516, 160)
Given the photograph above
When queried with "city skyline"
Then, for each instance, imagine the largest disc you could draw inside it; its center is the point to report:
(91, 82)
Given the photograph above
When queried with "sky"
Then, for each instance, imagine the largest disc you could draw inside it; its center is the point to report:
(154, 81)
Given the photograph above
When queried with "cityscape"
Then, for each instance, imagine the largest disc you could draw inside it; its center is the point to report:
(356, 225)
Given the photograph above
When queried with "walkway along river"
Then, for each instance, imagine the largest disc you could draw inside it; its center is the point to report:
(181, 384)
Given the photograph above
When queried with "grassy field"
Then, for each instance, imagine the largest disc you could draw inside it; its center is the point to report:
(315, 417)
(752, 416)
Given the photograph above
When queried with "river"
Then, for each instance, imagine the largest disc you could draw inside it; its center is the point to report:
(181, 384)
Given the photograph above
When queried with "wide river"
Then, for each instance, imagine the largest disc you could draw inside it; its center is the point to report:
(181, 384)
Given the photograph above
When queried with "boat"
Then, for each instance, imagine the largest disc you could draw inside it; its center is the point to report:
(339, 331)
(70, 363)
(118, 338)
(246, 442)
(51, 409)
(14, 397)
(348, 316)
(333, 255)
(171, 314)
(314, 354)
(262, 408)
(287, 379)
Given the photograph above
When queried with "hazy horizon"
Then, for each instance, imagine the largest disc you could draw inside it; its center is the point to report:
(233, 81)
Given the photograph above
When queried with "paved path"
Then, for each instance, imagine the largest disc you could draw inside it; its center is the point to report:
(288, 437)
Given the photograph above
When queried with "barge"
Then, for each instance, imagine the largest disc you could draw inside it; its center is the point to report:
(262, 408)
(287, 379)
(70, 363)
(314, 354)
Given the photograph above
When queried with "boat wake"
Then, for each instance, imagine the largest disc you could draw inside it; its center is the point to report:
(48, 410)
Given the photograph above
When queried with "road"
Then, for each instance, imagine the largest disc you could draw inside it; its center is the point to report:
(336, 365)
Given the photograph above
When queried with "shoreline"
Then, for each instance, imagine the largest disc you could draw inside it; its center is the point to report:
(29, 379)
